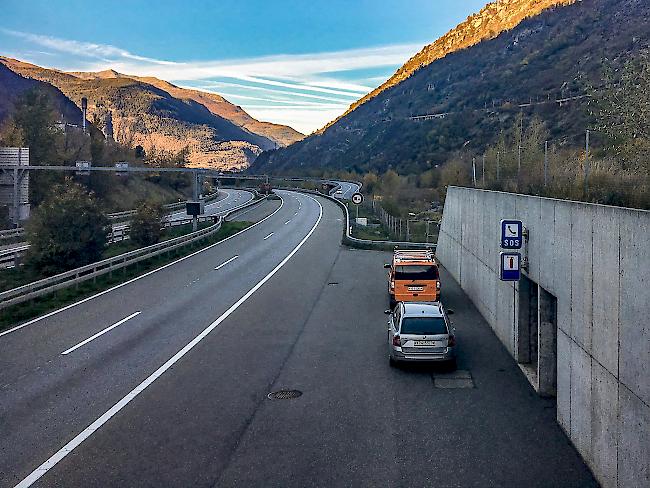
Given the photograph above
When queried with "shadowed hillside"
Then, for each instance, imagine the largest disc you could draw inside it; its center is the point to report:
(476, 93)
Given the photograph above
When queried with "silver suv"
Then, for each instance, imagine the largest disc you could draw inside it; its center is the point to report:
(421, 332)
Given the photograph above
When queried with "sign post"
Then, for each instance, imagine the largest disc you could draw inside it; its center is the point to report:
(357, 199)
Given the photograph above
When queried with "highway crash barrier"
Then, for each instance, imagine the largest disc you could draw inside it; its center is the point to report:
(169, 206)
(51, 284)
(352, 241)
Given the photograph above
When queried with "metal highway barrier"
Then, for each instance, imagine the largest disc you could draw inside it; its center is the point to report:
(352, 241)
(11, 233)
(168, 206)
(107, 266)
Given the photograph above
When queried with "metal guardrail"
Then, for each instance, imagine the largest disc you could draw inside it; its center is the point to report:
(107, 266)
(349, 239)
(11, 233)
(168, 206)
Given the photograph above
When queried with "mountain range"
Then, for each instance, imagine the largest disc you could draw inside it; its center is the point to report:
(535, 57)
(158, 115)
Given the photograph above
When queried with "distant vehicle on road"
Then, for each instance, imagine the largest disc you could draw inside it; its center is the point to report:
(421, 332)
(338, 193)
(413, 277)
(265, 189)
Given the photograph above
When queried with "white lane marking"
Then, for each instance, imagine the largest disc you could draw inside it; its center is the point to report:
(54, 312)
(91, 338)
(269, 235)
(287, 222)
(226, 262)
(92, 428)
(295, 214)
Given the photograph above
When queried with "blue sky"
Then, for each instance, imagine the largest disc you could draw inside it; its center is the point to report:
(295, 62)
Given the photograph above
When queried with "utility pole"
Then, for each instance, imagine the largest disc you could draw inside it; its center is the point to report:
(474, 171)
(195, 197)
(545, 163)
(498, 165)
(587, 164)
(521, 136)
(483, 170)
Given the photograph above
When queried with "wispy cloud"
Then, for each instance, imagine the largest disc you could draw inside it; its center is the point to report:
(324, 78)
(83, 49)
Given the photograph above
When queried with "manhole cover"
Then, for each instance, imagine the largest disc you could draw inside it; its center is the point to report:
(284, 394)
(453, 380)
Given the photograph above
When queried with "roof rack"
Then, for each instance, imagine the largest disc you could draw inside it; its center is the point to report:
(413, 255)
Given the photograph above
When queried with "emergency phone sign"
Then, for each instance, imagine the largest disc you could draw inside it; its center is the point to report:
(510, 266)
(512, 234)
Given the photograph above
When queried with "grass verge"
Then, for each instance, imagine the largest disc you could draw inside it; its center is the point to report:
(22, 312)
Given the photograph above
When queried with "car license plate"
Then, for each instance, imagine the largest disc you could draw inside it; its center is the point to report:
(416, 288)
(425, 343)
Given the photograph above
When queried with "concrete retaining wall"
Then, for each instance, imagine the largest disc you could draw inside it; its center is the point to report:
(595, 260)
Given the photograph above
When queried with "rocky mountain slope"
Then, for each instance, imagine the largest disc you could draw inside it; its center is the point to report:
(162, 117)
(282, 135)
(473, 94)
(494, 18)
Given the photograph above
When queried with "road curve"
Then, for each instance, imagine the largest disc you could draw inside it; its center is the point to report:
(231, 198)
(348, 189)
(60, 374)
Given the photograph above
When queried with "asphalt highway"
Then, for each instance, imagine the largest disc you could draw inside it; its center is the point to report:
(164, 381)
(229, 200)
(348, 189)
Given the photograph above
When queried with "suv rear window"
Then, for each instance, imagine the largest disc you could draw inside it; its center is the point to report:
(423, 326)
(416, 272)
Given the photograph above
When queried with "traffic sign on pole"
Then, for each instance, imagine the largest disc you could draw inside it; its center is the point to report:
(512, 234)
(510, 266)
(357, 198)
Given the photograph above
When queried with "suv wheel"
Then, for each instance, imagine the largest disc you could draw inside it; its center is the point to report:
(392, 362)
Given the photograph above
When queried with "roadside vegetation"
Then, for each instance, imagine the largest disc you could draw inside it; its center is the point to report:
(66, 231)
(146, 224)
(526, 158)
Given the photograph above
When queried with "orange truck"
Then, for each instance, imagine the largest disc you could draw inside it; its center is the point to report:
(413, 277)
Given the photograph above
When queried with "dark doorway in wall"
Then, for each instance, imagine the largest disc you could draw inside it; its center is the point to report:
(527, 324)
(537, 336)
(547, 344)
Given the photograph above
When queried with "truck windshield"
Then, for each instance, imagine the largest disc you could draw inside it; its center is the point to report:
(423, 326)
(416, 272)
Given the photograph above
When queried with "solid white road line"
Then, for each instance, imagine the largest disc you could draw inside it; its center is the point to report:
(269, 235)
(116, 324)
(92, 428)
(54, 312)
(227, 262)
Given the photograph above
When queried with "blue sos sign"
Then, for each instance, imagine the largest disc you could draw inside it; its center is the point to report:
(512, 234)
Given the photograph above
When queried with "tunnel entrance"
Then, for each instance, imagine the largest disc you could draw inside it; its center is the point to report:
(537, 336)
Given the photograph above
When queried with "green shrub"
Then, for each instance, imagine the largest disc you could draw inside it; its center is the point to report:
(66, 231)
(146, 224)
